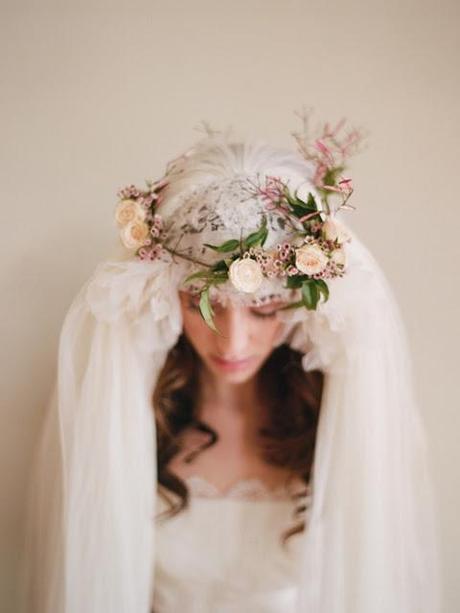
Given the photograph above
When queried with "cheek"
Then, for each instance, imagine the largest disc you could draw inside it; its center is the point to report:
(267, 332)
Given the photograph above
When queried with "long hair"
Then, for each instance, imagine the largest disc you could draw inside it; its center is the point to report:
(287, 440)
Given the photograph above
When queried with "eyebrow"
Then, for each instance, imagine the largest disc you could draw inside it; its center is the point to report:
(268, 305)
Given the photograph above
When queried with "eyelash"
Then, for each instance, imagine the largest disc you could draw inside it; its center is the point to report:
(257, 314)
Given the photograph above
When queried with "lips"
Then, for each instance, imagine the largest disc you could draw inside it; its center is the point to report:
(230, 364)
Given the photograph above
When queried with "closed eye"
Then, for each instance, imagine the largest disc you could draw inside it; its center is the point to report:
(264, 313)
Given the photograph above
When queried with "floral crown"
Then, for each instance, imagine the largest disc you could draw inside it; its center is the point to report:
(316, 252)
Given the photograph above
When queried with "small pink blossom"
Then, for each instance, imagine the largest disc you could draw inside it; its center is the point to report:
(346, 186)
(150, 253)
(143, 253)
(130, 191)
(292, 270)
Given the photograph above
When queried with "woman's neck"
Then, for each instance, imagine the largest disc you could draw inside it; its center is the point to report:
(221, 399)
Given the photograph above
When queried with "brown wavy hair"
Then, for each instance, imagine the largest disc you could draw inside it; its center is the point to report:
(288, 439)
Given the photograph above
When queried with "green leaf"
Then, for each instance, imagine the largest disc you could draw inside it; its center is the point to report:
(312, 289)
(295, 281)
(287, 194)
(219, 279)
(206, 309)
(258, 237)
(210, 276)
(215, 247)
(311, 202)
(220, 266)
(323, 289)
(264, 237)
(310, 294)
(292, 305)
(299, 211)
(229, 245)
(298, 205)
(309, 205)
(332, 174)
(218, 274)
(202, 274)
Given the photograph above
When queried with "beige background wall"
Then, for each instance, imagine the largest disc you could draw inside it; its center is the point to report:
(99, 94)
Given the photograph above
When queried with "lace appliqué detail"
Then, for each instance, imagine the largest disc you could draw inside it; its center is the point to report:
(244, 489)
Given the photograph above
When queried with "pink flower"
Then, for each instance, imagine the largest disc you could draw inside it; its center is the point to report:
(245, 274)
(129, 210)
(310, 259)
(134, 234)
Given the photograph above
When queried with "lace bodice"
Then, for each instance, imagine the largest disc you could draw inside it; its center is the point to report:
(244, 489)
(223, 553)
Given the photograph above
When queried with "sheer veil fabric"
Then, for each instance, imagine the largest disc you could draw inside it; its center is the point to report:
(370, 544)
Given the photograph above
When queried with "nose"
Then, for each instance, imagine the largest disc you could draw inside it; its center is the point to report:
(232, 343)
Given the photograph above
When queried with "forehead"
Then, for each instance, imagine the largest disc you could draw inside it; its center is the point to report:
(228, 296)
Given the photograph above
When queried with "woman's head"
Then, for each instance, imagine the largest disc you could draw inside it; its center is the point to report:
(244, 221)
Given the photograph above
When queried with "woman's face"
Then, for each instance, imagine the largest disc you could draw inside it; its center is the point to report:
(247, 338)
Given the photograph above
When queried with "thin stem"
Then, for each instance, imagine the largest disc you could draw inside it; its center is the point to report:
(186, 257)
(309, 216)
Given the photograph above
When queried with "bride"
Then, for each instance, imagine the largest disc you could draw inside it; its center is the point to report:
(218, 393)
(233, 425)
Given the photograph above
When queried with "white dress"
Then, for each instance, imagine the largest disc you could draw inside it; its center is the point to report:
(223, 553)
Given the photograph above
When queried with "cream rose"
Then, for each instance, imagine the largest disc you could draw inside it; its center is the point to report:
(339, 256)
(129, 210)
(246, 274)
(333, 230)
(134, 234)
(310, 259)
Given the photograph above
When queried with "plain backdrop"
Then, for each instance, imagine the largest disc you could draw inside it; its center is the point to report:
(96, 95)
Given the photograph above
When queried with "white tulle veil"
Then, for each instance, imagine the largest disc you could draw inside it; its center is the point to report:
(370, 543)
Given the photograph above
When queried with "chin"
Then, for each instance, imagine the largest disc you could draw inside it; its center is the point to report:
(237, 378)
